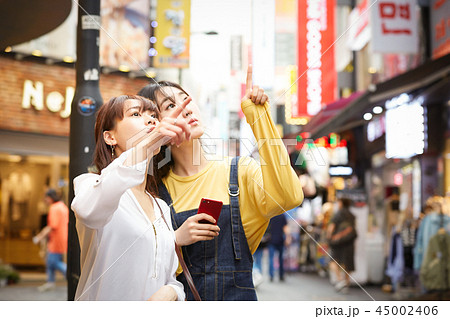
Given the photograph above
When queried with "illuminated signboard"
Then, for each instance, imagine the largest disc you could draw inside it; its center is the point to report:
(317, 78)
(405, 127)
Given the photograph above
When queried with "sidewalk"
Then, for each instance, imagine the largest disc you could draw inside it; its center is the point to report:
(27, 288)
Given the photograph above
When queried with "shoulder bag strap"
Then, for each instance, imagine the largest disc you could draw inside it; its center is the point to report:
(186, 272)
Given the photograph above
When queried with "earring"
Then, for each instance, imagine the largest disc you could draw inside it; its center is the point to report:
(112, 151)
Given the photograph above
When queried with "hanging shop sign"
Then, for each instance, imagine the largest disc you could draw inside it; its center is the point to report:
(171, 34)
(33, 95)
(359, 32)
(394, 25)
(440, 28)
(317, 78)
(405, 127)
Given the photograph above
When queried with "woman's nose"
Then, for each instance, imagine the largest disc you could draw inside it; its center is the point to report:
(187, 111)
(151, 121)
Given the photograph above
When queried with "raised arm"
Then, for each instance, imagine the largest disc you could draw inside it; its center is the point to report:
(275, 186)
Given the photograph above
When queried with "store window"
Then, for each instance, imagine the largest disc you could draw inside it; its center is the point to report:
(24, 179)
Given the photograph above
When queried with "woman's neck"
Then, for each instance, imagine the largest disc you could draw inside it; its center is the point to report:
(189, 158)
(140, 189)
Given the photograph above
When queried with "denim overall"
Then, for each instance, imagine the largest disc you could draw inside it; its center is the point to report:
(221, 268)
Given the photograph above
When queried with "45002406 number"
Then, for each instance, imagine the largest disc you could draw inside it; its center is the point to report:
(407, 310)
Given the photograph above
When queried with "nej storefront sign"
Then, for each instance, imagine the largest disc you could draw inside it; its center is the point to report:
(56, 102)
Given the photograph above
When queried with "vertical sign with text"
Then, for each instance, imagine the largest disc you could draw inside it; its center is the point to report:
(440, 27)
(172, 33)
(316, 67)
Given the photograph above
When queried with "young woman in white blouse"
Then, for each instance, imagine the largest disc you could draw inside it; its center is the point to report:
(125, 233)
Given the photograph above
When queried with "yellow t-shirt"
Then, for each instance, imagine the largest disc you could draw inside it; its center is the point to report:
(265, 190)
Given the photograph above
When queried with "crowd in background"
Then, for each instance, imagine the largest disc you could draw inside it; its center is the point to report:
(417, 257)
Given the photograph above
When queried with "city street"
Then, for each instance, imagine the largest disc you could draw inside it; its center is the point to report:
(296, 287)
(311, 287)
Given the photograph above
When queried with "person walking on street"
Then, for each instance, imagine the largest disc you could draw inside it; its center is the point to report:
(278, 235)
(342, 235)
(57, 232)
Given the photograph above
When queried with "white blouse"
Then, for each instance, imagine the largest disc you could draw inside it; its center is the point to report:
(124, 256)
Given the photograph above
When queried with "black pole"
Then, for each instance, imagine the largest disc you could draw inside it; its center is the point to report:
(427, 34)
(85, 103)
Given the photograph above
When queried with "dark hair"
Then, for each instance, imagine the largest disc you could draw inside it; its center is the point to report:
(53, 195)
(346, 202)
(107, 116)
(150, 91)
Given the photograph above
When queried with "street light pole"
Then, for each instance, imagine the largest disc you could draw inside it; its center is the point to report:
(85, 103)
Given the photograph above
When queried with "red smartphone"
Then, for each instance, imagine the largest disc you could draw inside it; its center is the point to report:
(211, 207)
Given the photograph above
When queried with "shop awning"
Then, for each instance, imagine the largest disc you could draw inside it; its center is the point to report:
(430, 80)
(330, 112)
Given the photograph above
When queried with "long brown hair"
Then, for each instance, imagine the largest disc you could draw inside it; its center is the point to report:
(151, 91)
(107, 117)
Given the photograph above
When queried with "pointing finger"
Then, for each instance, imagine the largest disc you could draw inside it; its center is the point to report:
(177, 111)
(249, 84)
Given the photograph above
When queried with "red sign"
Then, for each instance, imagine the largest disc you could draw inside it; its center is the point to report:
(440, 27)
(317, 77)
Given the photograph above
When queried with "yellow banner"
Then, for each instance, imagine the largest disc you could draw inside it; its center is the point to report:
(172, 34)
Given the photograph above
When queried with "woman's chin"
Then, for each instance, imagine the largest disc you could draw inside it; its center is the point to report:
(197, 132)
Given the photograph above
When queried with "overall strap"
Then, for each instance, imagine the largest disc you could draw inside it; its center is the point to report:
(233, 191)
(163, 193)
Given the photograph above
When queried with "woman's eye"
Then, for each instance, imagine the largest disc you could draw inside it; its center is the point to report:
(170, 106)
(154, 116)
(136, 114)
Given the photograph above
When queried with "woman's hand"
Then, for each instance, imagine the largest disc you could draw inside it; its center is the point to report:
(254, 93)
(191, 231)
(165, 293)
(174, 127)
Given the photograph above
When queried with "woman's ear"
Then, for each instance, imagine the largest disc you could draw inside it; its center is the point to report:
(109, 138)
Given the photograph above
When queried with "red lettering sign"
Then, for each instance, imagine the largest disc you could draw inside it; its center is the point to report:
(391, 10)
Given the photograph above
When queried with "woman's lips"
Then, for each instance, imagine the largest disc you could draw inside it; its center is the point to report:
(193, 121)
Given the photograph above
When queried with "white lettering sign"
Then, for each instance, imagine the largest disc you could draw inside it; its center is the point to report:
(33, 94)
(315, 13)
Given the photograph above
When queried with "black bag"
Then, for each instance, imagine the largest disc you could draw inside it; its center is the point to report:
(265, 238)
(345, 234)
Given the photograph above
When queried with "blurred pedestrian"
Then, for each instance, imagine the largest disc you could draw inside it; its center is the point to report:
(251, 194)
(279, 232)
(322, 222)
(342, 235)
(57, 233)
(258, 277)
(126, 237)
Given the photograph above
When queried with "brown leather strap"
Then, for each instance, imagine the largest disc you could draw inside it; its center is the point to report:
(187, 274)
